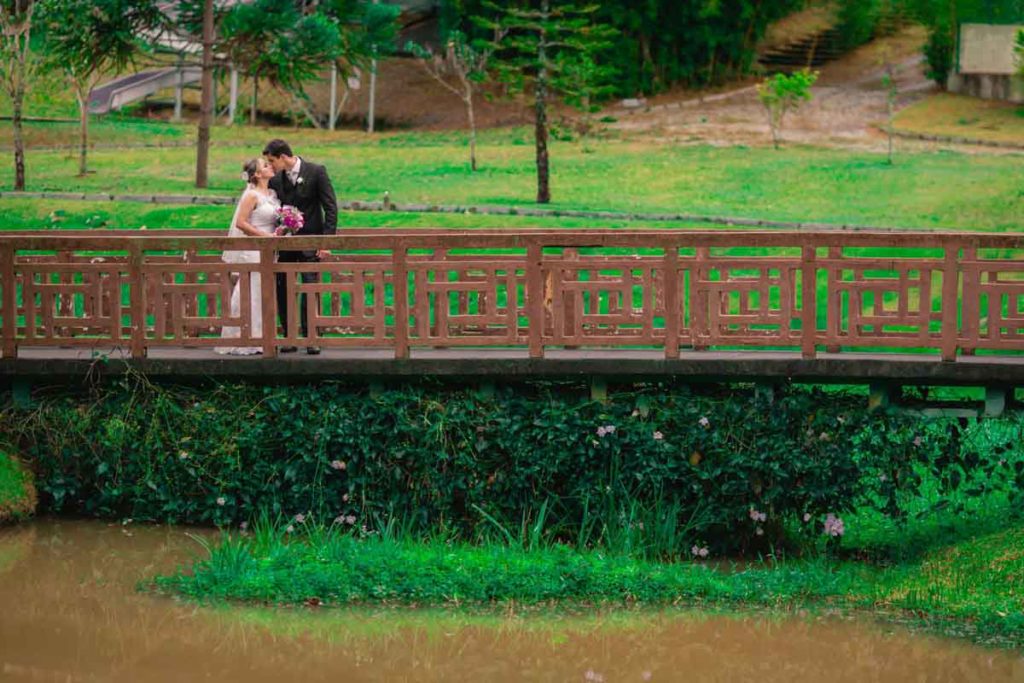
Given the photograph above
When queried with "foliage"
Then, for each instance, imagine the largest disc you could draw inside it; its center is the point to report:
(938, 52)
(654, 472)
(17, 67)
(88, 39)
(465, 60)
(783, 93)
(537, 47)
(275, 41)
(662, 43)
(290, 43)
(968, 588)
(860, 21)
(1018, 50)
(17, 491)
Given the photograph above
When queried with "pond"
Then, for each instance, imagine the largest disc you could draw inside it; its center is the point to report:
(70, 611)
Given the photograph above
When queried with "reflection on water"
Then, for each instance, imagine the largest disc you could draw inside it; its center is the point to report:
(69, 611)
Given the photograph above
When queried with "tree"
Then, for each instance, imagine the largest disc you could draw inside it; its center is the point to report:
(367, 31)
(288, 43)
(467, 62)
(662, 43)
(92, 39)
(584, 83)
(535, 47)
(206, 104)
(781, 94)
(16, 65)
(1019, 51)
(892, 91)
(278, 41)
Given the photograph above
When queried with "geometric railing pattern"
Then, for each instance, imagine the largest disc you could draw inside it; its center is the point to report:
(948, 293)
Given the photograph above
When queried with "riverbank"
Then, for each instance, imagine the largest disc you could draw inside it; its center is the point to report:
(78, 579)
(970, 589)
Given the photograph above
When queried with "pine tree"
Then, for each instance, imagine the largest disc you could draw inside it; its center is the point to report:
(535, 46)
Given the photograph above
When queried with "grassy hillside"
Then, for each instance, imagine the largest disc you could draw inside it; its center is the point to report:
(798, 183)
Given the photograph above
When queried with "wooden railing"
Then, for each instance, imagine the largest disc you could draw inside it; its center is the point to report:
(947, 293)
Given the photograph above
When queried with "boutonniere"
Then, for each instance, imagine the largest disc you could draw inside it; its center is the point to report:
(300, 180)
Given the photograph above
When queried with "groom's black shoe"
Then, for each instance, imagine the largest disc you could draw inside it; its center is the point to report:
(313, 350)
(288, 349)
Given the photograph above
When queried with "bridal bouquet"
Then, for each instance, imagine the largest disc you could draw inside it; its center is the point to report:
(289, 220)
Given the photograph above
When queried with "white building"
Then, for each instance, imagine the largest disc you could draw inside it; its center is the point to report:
(986, 64)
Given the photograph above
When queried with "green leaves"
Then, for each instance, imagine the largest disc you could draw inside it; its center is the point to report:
(85, 37)
(783, 93)
(654, 472)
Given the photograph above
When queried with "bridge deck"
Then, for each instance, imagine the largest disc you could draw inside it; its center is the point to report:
(513, 364)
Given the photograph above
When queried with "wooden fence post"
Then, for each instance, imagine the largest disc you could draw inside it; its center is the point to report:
(401, 289)
(10, 302)
(535, 299)
(809, 312)
(670, 278)
(137, 299)
(268, 292)
(950, 303)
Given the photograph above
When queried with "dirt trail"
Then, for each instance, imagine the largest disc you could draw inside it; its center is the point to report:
(849, 103)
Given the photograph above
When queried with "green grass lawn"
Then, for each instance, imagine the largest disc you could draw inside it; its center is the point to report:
(937, 190)
(963, 116)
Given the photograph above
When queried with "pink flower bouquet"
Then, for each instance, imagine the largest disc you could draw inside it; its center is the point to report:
(289, 220)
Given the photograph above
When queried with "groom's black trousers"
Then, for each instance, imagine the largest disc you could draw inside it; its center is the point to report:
(282, 288)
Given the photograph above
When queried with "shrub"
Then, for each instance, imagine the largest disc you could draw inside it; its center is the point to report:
(938, 52)
(17, 492)
(654, 472)
(783, 93)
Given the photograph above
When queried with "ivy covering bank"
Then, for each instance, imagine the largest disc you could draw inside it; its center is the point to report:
(660, 469)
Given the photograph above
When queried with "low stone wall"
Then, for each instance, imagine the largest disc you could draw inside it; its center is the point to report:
(988, 86)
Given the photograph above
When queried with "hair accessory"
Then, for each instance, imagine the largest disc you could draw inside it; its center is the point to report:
(245, 176)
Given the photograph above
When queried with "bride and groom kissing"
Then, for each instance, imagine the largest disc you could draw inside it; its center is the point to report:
(284, 195)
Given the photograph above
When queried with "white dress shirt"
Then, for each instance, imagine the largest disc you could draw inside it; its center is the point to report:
(293, 173)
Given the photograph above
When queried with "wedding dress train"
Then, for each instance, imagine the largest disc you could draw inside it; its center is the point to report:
(263, 218)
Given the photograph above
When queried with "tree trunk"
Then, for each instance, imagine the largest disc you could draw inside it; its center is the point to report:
(255, 96)
(472, 130)
(206, 103)
(83, 129)
(541, 104)
(19, 144)
(891, 107)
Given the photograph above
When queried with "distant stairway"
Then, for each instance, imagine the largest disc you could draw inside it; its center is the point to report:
(809, 52)
(134, 87)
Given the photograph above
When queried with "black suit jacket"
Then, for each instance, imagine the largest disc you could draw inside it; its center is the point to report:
(313, 195)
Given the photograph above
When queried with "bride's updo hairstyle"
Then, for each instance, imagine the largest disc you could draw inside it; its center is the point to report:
(250, 169)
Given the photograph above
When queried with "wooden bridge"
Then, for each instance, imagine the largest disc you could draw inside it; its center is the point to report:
(908, 307)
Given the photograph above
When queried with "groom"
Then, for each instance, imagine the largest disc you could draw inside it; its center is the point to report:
(307, 187)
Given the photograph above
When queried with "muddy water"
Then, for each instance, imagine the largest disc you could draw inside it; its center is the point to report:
(69, 612)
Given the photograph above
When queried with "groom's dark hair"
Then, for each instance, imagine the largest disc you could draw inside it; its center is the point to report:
(278, 148)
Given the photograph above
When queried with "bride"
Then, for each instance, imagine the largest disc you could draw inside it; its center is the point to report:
(256, 216)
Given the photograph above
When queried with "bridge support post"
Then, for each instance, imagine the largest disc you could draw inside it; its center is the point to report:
(765, 391)
(880, 396)
(995, 401)
(599, 389)
(21, 393)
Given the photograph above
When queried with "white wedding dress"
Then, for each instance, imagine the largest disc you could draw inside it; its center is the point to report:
(263, 218)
